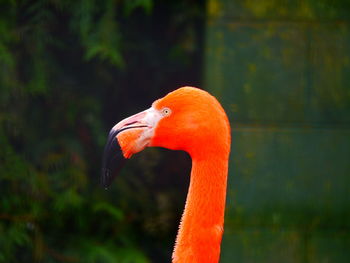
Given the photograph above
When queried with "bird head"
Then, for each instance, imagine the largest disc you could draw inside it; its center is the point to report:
(186, 119)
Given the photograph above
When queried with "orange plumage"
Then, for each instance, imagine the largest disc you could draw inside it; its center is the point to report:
(192, 120)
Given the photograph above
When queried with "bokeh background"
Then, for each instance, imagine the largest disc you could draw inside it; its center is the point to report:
(69, 70)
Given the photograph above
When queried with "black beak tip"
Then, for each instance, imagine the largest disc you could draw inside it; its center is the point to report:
(112, 161)
(106, 178)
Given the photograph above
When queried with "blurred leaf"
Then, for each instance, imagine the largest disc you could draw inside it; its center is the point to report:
(111, 210)
(107, 254)
(130, 5)
(68, 200)
(18, 233)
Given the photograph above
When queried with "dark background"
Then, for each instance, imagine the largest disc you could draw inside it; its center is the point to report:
(70, 70)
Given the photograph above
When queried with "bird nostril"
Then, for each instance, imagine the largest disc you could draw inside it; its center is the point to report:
(130, 123)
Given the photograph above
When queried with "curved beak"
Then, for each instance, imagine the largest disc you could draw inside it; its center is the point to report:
(113, 157)
(112, 160)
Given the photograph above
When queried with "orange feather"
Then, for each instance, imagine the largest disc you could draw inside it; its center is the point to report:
(198, 125)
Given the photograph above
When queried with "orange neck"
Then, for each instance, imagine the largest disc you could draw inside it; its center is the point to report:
(201, 227)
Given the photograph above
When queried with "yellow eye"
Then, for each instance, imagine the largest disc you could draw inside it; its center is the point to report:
(166, 111)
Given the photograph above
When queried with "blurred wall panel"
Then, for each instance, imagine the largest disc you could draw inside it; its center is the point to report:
(282, 71)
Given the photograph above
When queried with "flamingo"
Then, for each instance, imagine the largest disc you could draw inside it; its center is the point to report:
(192, 120)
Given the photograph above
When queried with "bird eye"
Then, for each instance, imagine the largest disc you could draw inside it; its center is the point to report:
(166, 111)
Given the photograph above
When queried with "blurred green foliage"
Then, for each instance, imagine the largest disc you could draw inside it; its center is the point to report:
(69, 71)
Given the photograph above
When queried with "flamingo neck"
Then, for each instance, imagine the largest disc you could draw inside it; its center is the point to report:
(201, 226)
